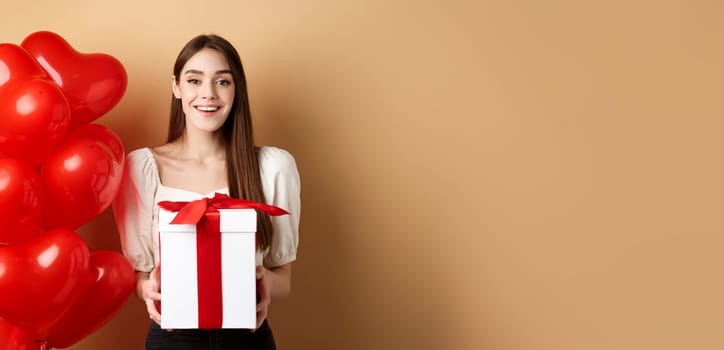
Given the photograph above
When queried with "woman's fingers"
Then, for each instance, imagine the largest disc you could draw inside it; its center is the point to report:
(152, 311)
(150, 296)
(262, 296)
(154, 295)
(260, 317)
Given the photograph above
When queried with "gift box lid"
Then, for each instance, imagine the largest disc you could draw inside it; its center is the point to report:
(231, 220)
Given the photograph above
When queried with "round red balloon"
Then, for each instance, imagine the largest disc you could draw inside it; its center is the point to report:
(81, 174)
(111, 280)
(34, 113)
(93, 83)
(39, 278)
(21, 215)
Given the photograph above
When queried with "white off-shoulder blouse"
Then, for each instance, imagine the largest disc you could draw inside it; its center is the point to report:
(136, 211)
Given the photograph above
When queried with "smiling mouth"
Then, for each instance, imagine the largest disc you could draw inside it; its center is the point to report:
(207, 108)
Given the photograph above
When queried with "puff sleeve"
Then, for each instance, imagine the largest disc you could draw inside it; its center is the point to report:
(281, 185)
(133, 209)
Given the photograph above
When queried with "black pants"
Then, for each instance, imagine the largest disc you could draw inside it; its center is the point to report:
(218, 339)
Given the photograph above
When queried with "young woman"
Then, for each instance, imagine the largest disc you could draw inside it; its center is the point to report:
(210, 149)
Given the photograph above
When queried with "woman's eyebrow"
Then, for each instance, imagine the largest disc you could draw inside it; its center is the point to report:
(196, 71)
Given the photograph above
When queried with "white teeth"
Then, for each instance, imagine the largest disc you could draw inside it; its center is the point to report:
(207, 109)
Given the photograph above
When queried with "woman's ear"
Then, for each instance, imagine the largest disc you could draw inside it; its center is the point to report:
(174, 87)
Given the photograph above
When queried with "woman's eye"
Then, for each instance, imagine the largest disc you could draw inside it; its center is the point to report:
(223, 82)
(193, 81)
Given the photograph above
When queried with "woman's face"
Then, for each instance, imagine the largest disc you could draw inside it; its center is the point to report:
(206, 89)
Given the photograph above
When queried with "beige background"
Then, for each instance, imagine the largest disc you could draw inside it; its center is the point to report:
(501, 175)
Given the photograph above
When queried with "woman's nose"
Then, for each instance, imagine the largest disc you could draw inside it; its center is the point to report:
(208, 91)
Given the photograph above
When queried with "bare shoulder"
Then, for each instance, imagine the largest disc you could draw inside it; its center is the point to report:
(167, 150)
(166, 156)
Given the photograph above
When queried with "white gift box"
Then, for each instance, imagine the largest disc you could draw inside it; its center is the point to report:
(179, 268)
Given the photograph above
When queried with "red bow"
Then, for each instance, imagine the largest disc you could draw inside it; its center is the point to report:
(192, 212)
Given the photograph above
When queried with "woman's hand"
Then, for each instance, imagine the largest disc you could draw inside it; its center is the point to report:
(148, 290)
(263, 298)
(271, 285)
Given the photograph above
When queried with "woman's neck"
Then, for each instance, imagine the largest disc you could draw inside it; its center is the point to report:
(200, 147)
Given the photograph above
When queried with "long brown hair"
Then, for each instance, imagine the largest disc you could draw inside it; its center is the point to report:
(242, 164)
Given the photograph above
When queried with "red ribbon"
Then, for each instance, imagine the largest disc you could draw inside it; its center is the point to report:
(204, 213)
(192, 212)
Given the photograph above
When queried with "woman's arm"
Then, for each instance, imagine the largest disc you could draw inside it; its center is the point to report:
(280, 281)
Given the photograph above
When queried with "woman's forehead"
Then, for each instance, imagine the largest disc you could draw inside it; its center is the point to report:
(207, 61)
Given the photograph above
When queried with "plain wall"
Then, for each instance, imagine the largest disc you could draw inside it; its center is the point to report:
(500, 175)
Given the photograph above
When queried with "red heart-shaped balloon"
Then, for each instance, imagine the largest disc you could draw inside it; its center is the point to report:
(34, 113)
(17, 64)
(13, 337)
(81, 176)
(21, 212)
(39, 278)
(93, 83)
(112, 280)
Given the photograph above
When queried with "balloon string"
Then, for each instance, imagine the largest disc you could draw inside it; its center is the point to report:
(44, 345)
